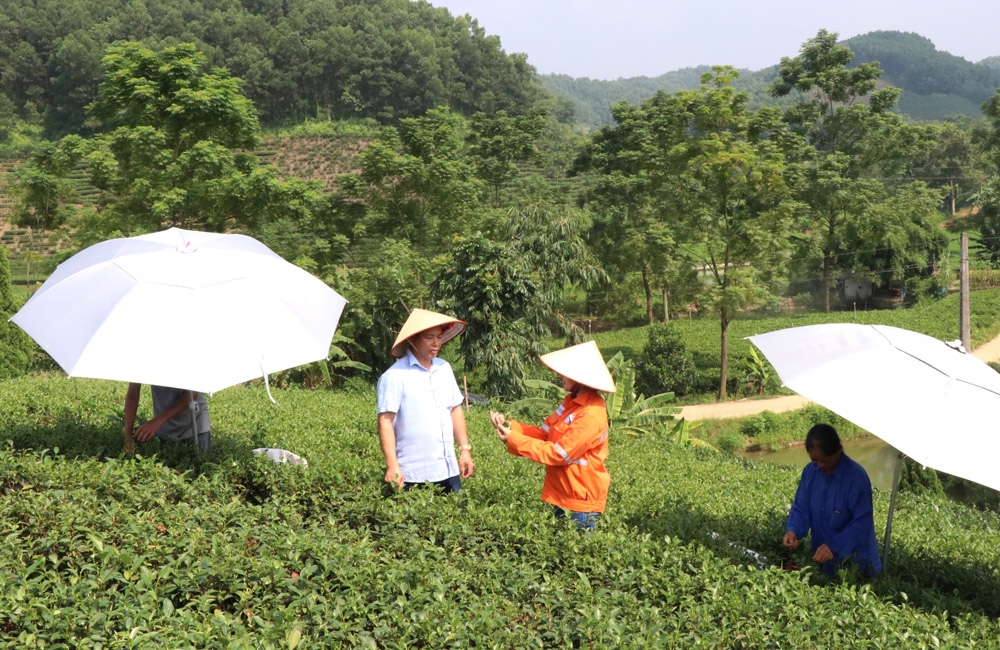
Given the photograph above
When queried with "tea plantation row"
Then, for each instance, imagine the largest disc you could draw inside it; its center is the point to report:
(229, 550)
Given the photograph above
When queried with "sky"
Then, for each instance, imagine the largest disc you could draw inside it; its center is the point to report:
(611, 39)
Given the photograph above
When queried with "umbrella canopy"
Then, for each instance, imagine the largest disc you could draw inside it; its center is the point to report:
(929, 399)
(180, 308)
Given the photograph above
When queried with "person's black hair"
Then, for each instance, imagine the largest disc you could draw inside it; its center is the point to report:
(824, 438)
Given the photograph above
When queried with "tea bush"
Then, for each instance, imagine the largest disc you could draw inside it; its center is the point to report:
(665, 365)
(730, 442)
(173, 549)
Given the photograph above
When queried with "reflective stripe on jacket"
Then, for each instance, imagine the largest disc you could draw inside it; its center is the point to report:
(572, 443)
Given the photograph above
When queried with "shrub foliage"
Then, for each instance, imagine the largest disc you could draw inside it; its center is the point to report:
(665, 365)
(230, 550)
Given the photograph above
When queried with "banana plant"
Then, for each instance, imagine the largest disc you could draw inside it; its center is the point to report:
(759, 374)
(635, 414)
(545, 393)
(337, 360)
(629, 413)
(680, 434)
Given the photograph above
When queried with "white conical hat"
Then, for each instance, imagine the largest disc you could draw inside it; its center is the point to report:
(583, 364)
(421, 320)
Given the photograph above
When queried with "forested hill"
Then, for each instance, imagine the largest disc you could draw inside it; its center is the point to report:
(380, 59)
(936, 85)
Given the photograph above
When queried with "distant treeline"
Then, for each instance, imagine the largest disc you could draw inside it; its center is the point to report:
(936, 85)
(340, 59)
(592, 98)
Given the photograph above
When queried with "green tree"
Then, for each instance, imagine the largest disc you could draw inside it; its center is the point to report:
(736, 197)
(987, 220)
(847, 120)
(42, 189)
(549, 242)
(500, 141)
(899, 237)
(383, 292)
(167, 156)
(508, 288)
(990, 136)
(75, 66)
(665, 364)
(955, 164)
(633, 233)
(418, 181)
(173, 151)
(487, 285)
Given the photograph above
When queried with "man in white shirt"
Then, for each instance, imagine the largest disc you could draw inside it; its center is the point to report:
(420, 416)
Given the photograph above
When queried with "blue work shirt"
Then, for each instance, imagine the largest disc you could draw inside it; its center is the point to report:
(422, 400)
(838, 509)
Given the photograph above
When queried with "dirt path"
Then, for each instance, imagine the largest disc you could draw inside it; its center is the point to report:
(989, 351)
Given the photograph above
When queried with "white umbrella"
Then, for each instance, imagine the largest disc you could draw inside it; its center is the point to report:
(927, 398)
(193, 310)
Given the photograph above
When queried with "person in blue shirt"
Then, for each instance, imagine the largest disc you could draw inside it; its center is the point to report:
(834, 500)
(420, 416)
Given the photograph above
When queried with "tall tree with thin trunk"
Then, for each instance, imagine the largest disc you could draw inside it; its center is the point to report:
(857, 140)
(632, 232)
(735, 193)
(987, 217)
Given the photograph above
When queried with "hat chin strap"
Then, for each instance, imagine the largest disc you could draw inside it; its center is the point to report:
(421, 359)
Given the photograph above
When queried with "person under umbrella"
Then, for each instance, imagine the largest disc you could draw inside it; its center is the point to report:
(420, 417)
(240, 309)
(172, 419)
(834, 500)
(572, 443)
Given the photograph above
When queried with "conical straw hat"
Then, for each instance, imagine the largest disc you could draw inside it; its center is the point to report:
(583, 364)
(421, 320)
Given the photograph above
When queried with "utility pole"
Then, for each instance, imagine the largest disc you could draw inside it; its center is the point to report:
(964, 328)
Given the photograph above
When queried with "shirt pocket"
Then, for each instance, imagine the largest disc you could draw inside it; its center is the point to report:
(839, 519)
(557, 429)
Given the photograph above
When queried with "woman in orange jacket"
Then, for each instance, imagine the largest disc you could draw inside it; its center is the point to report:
(572, 443)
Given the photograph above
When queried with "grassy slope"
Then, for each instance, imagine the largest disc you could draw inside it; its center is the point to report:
(701, 336)
(171, 551)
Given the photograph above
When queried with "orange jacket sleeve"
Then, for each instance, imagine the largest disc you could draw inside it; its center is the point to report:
(529, 430)
(585, 432)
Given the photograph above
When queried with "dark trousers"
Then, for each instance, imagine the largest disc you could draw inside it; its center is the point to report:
(452, 484)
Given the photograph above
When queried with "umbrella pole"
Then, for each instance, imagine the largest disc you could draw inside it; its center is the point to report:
(892, 507)
(192, 407)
